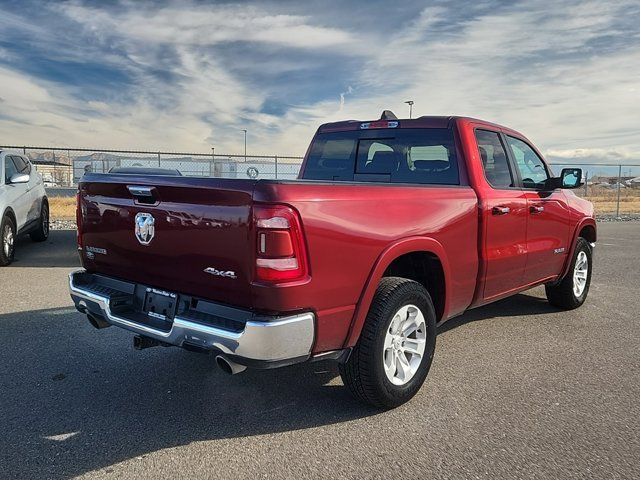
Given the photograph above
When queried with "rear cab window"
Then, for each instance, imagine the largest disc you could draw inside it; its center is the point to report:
(411, 155)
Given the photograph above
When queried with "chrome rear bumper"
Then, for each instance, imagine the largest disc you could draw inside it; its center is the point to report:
(262, 341)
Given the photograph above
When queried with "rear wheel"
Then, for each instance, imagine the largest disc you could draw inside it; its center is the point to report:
(392, 358)
(42, 232)
(7, 240)
(572, 291)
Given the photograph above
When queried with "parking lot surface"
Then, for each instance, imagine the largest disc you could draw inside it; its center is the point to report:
(517, 390)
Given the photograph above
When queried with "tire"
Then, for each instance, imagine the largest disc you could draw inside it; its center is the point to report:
(568, 294)
(42, 232)
(7, 240)
(366, 371)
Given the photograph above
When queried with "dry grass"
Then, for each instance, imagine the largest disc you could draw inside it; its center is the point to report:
(62, 208)
(609, 206)
(605, 201)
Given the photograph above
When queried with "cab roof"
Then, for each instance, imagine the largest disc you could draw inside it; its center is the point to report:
(426, 121)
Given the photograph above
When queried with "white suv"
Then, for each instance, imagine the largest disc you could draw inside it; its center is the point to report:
(23, 203)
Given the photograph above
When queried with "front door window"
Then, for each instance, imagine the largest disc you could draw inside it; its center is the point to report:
(9, 169)
(531, 167)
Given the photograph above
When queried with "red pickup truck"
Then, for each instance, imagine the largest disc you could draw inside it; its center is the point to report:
(393, 227)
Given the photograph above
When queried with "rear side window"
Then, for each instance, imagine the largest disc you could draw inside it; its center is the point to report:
(494, 159)
(420, 156)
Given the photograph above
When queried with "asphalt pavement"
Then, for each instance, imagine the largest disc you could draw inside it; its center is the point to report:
(517, 390)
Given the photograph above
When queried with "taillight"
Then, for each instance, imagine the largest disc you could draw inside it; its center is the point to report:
(78, 220)
(280, 250)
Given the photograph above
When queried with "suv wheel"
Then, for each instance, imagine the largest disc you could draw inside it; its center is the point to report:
(7, 240)
(395, 350)
(42, 232)
(572, 291)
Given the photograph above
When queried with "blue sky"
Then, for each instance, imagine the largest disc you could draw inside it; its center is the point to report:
(191, 75)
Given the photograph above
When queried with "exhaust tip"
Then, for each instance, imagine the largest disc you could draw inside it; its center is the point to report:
(229, 367)
(223, 365)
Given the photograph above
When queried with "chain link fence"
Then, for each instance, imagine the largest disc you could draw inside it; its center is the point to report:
(613, 188)
(63, 167)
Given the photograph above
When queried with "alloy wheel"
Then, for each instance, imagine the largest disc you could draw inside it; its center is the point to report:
(580, 273)
(404, 344)
(7, 241)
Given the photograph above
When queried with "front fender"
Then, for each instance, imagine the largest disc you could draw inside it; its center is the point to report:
(401, 247)
(585, 222)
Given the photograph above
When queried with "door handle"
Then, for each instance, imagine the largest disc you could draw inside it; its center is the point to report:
(500, 210)
(535, 209)
(143, 194)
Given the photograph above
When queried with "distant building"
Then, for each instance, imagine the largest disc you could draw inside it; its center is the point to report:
(54, 172)
(611, 180)
(618, 185)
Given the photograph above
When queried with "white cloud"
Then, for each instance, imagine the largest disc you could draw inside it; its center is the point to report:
(595, 155)
(174, 116)
(20, 90)
(206, 25)
(519, 67)
(550, 72)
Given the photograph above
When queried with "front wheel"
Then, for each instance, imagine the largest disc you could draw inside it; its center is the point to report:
(572, 291)
(7, 239)
(392, 358)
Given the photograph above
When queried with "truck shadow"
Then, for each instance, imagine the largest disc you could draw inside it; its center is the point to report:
(57, 251)
(518, 305)
(77, 400)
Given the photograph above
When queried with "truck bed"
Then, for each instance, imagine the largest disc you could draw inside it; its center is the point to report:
(205, 223)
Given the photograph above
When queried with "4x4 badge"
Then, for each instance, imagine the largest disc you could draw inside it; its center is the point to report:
(145, 228)
(221, 273)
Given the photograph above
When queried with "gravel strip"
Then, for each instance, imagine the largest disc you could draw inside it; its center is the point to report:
(63, 225)
(628, 217)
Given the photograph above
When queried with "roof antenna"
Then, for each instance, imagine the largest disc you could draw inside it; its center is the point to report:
(388, 115)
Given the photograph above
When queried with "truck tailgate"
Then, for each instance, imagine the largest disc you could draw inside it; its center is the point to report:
(199, 243)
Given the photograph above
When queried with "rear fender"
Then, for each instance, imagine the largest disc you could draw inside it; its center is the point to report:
(402, 247)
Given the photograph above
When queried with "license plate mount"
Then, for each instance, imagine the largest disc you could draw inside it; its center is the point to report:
(160, 304)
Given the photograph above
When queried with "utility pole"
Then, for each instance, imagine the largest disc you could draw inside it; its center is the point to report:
(586, 182)
(410, 103)
(212, 171)
(618, 201)
(245, 145)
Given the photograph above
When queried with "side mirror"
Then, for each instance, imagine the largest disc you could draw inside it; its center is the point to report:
(571, 178)
(19, 178)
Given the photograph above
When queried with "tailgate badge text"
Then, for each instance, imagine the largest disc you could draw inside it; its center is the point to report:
(221, 273)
